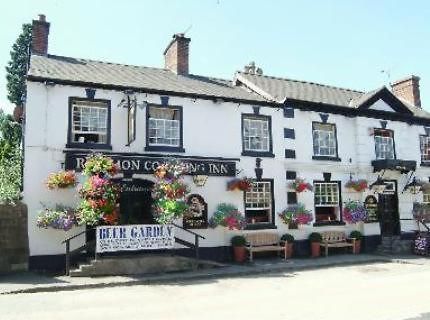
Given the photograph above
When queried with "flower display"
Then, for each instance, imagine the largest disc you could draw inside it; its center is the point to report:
(61, 218)
(169, 192)
(243, 184)
(61, 180)
(300, 185)
(354, 212)
(296, 214)
(98, 164)
(228, 216)
(357, 185)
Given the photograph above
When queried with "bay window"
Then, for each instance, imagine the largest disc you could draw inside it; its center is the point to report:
(259, 203)
(327, 201)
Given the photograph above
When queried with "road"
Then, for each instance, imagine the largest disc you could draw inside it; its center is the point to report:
(389, 291)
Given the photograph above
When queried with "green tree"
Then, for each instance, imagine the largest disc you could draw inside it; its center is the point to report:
(17, 67)
(10, 135)
(11, 177)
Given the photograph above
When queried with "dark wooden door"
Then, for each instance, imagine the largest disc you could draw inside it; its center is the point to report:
(136, 202)
(389, 214)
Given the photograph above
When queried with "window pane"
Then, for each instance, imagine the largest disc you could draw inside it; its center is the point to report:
(89, 122)
(324, 139)
(256, 136)
(164, 126)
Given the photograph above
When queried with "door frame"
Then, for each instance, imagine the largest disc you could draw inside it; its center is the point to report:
(396, 228)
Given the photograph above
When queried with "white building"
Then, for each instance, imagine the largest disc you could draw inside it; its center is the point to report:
(141, 116)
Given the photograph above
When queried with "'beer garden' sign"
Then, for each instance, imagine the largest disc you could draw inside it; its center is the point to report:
(134, 237)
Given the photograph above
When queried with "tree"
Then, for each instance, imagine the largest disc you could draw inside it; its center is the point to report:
(10, 135)
(16, 69)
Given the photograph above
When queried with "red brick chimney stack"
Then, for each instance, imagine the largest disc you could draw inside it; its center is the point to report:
(177, 53)
(408, 89)
(40, 33)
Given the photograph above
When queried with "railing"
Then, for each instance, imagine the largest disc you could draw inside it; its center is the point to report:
(195, 245)
(424, 224)
(70, 253)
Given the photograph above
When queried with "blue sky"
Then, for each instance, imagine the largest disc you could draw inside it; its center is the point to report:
(340, 43)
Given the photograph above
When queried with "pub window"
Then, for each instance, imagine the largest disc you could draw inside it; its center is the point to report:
(324, 139)
(256, 134)
(384, 144)
(90, 122)
(258, 203)
(425, 148)
(426, 197)
(164, 127)
(327, 205)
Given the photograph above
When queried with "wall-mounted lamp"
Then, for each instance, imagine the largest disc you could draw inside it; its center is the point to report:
(378, 186)
(413, 187)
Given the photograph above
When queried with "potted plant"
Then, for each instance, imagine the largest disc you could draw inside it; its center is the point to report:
(357, 235)
(61, 180)
(239, 251)
(242, 184)
(295, 215)
(300, 185)
(288, 240)
(315, 240)
(357, 185)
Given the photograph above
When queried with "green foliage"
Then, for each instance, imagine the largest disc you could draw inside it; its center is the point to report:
(87, 214)
(238, 241)
(356, 235)
(315, 237)
(287, 238)
(16, 68)
(10, 135)
(10, 176)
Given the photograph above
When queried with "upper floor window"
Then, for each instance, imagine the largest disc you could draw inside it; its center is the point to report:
(324, 139)
(90, 123)
(256, 135)
(258, 203)
(164, 128)
(426, 197)
(327, 201)
(384, 144)
(425, 148)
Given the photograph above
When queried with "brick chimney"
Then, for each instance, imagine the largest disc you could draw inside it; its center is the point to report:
(408, 89)
(176, 54)
(40, 33)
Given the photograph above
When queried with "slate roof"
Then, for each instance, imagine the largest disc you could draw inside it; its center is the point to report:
(74, 70)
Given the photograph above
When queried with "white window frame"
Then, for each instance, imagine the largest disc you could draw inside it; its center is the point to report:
(260, 198)
(170, 130)
(426, 197)
(329, 195)
(257, 129)
(320, 137)
(89, 119)
(384, 143)
(425, 151)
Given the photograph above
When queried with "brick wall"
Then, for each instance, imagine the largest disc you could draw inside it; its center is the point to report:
(13, 238)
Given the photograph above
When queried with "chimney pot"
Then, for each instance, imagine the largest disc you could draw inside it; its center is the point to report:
(39, 36)
(408, 89)
(176, 55)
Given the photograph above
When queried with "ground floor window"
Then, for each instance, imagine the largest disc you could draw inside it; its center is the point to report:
(426, 196)
(258, 203)
(326, 199)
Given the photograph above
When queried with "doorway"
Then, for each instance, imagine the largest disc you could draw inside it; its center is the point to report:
(136, 202)
(388, 207)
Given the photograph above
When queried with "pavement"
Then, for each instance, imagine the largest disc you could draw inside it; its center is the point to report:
(30, 282)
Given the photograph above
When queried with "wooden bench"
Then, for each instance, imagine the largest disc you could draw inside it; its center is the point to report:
(336, 239)
(263, 241)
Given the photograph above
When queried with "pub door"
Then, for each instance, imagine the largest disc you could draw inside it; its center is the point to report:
(136, 202)
(388, 207)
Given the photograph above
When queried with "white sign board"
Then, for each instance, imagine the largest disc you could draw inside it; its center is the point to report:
(134, 237)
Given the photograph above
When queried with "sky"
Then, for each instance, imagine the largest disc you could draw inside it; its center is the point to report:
(340, 43)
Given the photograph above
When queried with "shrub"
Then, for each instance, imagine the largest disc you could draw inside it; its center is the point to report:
(356, 235)
(287, 238)
(238, 241)
(315, 237)
(10, 177)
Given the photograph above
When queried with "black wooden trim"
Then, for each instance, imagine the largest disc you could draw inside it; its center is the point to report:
(326, 158)
(290, 154)
(392, 135)
(104, 146)
(252, 153)
(335, 158)
(291, 175)
(179, 148)
(291, 197)
(329, 223)
(260, 226)
(272, 194)
(289, 133)
(288, 112)
(425, 164)
(389, 98)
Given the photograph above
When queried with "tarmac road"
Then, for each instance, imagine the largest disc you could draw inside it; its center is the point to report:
(391, 291)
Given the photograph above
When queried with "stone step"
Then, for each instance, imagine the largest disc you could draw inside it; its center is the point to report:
(138, 265)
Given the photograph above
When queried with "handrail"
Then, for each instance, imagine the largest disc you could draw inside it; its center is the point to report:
(418, 221)
(189, 231)
(77, 235)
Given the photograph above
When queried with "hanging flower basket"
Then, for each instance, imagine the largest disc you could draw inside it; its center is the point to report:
(300, 185)
(354, 212)
(228, 216)
(295, 215)
(242, 184)
(61, 180)
(60, 218)
(357, 185)
(98, 164)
